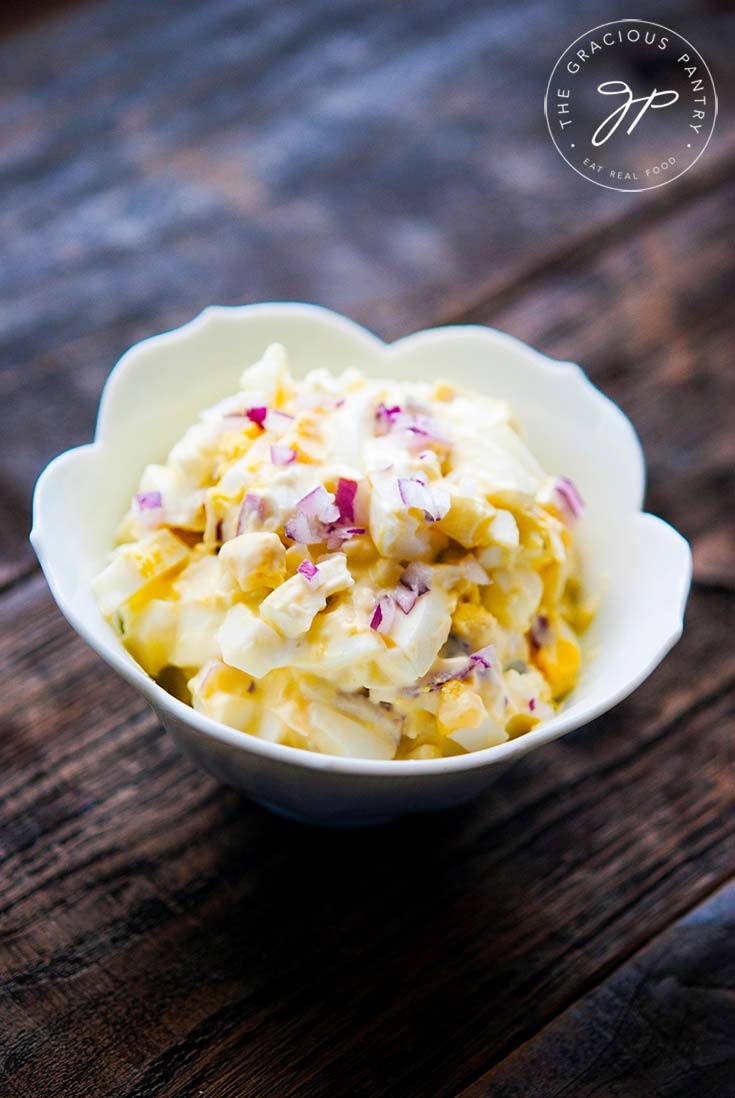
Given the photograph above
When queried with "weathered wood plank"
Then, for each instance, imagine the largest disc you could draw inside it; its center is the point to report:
(661, 1025)
(519, 905)
(183, 936)
(162, 936)
(158, 935)
(354, 155)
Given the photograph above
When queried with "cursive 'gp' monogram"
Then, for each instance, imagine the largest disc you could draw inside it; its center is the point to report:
(656, 100)
(663, 99)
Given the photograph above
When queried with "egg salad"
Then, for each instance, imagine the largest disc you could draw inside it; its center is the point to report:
(359, 567)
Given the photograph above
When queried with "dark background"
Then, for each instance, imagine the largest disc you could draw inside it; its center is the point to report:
(571, 933)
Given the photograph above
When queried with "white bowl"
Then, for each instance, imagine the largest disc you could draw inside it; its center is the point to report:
(639, 564)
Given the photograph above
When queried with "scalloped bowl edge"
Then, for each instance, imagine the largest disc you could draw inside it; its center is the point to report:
(645, 533)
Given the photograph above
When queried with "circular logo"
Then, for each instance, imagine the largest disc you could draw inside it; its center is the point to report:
(631, 105)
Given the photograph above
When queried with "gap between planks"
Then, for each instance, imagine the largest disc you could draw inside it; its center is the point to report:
(601, 976)
(582, 247)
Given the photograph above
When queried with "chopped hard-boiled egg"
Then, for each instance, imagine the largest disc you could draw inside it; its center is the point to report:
(292, 607)
(135, 566)
(250, 644)
(253, 560)
(353, 566)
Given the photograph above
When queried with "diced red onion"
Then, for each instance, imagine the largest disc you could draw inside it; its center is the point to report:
(385, 418)
(415, 494)
(337, 535)
(405, 598)
(313, 519)
(463, 667)
(532, 704)
(383, 615)
(282, 455)
(304, 530)
(541, 633)
(319, 504)
(571, 501)
(149, 501)
(251, 505)
(298, 529)
(344, 497)
(441, 677)
(251, 502)
(483, 657)
(417, 577)
(420, 429)
(308, 570)
(458, 668)
(257, 415)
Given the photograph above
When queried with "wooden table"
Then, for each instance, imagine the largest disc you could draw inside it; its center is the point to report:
(570, 933)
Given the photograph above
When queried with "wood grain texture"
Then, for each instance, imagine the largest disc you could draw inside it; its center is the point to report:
(197, 944)
(186, 940)
(159, 935)
(388, 160)
(661, 1025)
